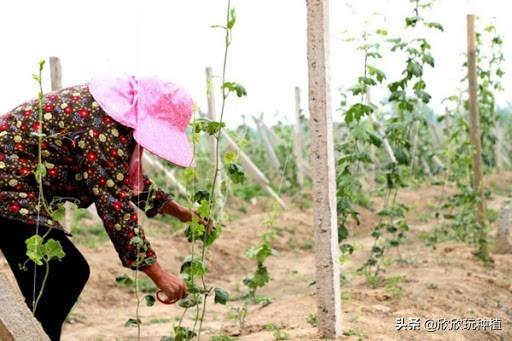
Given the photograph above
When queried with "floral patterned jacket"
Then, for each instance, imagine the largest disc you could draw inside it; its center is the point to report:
(86, 155)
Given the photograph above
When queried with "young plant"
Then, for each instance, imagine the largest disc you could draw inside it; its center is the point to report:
(194, 267)
(39, 250)
(260, 253)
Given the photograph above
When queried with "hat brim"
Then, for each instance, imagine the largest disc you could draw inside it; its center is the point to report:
(166, 142)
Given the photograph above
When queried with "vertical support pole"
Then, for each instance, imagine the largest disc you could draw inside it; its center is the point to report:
(212, 116)
(299, 157)
(474, 122)
(55, 73)
(324, 184)
(56, 84)
(498, 147)
(503, 231)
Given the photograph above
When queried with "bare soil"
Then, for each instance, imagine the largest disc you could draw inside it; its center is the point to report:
(446, 282)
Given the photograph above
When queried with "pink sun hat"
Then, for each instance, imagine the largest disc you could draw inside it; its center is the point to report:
(158, 111)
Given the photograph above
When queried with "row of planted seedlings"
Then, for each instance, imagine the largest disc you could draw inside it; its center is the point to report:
(390, 145)
(459, 210)
(381, 141)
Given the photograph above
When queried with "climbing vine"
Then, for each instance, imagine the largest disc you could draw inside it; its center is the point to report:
(39, 250)
(460, 209)
(199, 232)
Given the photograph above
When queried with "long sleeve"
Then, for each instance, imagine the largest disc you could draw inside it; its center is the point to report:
(151, 199)
(104, 164)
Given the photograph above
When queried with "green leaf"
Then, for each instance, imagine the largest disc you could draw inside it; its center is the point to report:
(221, 296)
(35, 249)
(207, 126)
(414, 69)
(232, 19)
(235, 87)
(190, 301)
(204, 209)
(259, 279)
(423, 96)
(379, 74)
(193, 266)
(428, 59)
(200, 195)
(366, 81)
(236, 173)
(150, 300)
(382, 31)
(411, 21)
(53, 249)
(40, 172)
(230, 157)
(374, 138)
(420, 85)
(195, 230)
(131, 322)
(124, 280)
(260, 253)
(435, 25)
(398, 84)
(357, 111)
(183, 333)
(59, 213)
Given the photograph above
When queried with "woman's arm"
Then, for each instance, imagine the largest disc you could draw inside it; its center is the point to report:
(184, 214)
(174, 209)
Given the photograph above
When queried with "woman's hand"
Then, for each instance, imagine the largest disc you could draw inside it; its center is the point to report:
(172, 286)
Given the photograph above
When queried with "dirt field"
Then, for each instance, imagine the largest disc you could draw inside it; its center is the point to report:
(444, 283)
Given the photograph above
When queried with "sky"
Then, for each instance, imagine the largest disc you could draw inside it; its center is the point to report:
(174, 40)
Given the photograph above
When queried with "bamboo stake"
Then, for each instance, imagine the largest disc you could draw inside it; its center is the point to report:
(155, 164)
(474, 121)
(324, 177)
(385, 141)
(251, 168)
(271, 154)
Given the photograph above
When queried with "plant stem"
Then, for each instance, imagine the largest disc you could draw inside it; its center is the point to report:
(47, 272)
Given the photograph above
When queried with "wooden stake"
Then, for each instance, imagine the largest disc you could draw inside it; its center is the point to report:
(299, 158)
(271, 154)
(56, 83)
(55, 73)
(17, 323)
(498, 147)
(212, 116)
(324, 177)
(251, 168)
(474, 122)
(155, 164)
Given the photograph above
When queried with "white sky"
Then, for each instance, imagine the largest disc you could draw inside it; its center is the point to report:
(173, 40)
